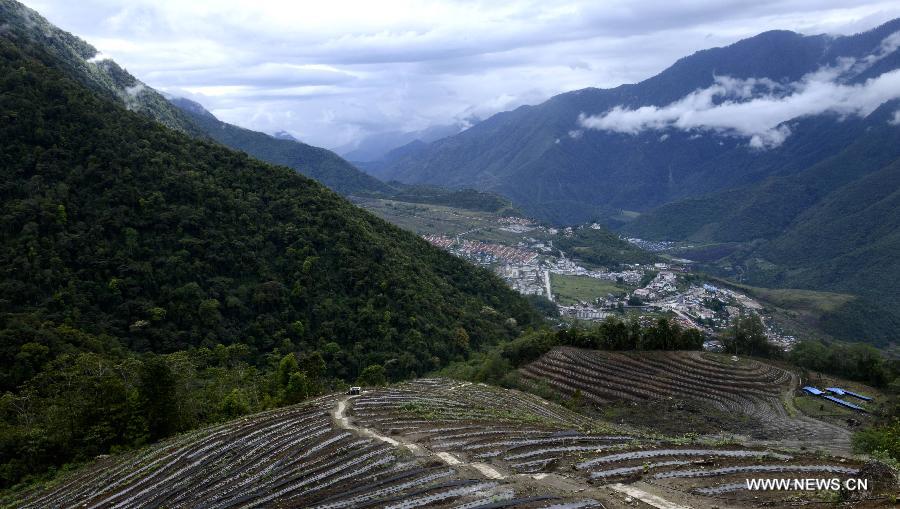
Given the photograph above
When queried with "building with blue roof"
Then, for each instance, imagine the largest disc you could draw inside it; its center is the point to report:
(842, 392)
(845, 404)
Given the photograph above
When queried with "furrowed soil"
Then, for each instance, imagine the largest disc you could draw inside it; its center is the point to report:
(440, 443)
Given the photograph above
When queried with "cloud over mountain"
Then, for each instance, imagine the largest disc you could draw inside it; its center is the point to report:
(759, 108)
(333, 73)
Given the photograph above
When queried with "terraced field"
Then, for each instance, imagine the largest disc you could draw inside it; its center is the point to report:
(483, 423)
(517, 435)
(749, 387)
(431, 443)
(294, 457)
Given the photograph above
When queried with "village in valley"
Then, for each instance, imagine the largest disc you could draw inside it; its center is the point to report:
(533, 265)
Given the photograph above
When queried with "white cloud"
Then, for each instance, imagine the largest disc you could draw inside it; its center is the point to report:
(406, 64)
(98, 57)
(896, 119)
(758, 109)
(133, 91)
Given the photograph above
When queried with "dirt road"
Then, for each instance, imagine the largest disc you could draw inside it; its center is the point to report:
(549, 482)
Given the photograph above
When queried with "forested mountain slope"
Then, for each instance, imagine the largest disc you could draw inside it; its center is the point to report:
(549, 164)
(314, 162)
(108, 218)
(119, 235)
(84, 63)
(833, 226)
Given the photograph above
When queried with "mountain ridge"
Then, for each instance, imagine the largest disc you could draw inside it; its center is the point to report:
(106, 77)
(155, 281)
(317, 163)
(713, 186)
(532, 153)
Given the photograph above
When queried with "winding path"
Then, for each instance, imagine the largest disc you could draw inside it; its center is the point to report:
(489, 471)
(647, 498)
(339, 415)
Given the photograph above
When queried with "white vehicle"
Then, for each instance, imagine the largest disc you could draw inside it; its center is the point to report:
(355, 391)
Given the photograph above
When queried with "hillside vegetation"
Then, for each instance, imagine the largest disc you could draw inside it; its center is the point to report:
(120, 236)
(85, 64)
(602, 247)
(832, 227)
(468, 199)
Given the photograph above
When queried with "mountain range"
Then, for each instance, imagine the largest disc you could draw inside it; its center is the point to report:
(162, 270)
(547, 162)
(376, 146)
(314, 162)
(125, 236)
(804, 201)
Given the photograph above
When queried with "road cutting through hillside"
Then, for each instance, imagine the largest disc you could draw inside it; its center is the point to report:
(450, 459)
(647, 498)
(550, 480)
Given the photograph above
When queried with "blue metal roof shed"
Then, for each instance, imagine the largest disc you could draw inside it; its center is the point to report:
(842, 392)
(845, 404)
(860, 396)
(812, 390)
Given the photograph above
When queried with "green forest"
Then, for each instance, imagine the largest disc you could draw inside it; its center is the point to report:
(602, 247)
(469, 199)
(153, 282)
(496, 364)
(314, 162)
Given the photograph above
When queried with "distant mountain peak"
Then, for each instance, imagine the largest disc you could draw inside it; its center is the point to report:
(284, 135)
(615, 161)
(283, 149)
(378, 146)
(189, 106)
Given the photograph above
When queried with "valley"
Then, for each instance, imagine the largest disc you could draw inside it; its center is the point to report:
(612, 298)
(666, 159)
(624, 277)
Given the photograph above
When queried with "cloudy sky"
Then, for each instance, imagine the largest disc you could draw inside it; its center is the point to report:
(333, 72)
(759, 109)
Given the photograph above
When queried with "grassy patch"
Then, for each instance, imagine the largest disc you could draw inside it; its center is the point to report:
(821, 407)
(803, 300)
(800, 312)
(626, 216)
(793, 299)
(572, 289)
(474, 413)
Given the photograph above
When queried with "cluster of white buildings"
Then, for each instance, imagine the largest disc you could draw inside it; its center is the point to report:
(516, 224)
(711, 308)
(583, 312)
(527, 268)
(665, 283)
(527, 279)
(482, 253)
(655, 246)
